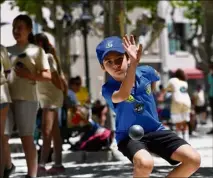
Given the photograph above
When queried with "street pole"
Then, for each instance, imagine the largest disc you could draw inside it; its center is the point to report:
(164, 42)
(86, 60)
(85, 18)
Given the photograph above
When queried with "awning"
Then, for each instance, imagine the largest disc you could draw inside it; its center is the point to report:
(192, 73)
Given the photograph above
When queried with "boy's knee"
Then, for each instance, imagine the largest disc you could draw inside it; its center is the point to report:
(143, 164)
(194, 160)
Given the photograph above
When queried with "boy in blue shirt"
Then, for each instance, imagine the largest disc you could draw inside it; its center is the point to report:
(129, 93)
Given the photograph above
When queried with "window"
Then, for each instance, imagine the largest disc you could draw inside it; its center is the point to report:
(182, 31)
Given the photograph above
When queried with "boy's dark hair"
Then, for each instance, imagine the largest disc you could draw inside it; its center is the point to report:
(180, 75)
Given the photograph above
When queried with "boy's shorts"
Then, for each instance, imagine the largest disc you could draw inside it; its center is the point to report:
(162, 143)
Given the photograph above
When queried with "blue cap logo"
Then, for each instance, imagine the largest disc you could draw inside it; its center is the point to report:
(109, 44)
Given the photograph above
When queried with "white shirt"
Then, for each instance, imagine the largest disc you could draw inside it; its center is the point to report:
(48, 93)
(179, 91)
(4, 66)
(200, 96)
(35, 60)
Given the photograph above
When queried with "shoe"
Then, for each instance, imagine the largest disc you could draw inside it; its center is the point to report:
(203, 122)
(210, 132)
(29, 176)
(8, 172)
(41, 171)
(56, 170)
(194, 134)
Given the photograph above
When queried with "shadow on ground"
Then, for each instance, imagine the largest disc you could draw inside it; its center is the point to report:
(119, 171)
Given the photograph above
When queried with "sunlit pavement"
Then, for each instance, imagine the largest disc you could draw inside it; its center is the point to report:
(123, 167)
(120, 169)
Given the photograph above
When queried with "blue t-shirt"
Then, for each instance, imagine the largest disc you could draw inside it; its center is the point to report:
(139, 108)
(71, 99)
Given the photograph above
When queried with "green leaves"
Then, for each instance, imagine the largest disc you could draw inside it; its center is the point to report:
(147, 4)
(194, 10)
(30, 6)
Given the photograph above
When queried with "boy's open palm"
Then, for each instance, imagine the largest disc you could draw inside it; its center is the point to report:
(131, 49)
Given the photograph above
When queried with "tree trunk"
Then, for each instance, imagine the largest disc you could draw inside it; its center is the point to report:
(114, 18)
(208, 28)
(61, 42)
(114, 25)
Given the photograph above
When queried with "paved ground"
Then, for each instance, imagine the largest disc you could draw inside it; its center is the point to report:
(123, 168)
(114, 169)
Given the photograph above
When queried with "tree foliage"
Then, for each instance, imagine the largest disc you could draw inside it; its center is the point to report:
(195, 9)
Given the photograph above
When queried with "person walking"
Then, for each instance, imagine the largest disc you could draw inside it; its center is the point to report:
(50, 94)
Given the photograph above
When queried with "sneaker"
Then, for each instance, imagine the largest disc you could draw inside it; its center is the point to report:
(56, 170)
(186, 136)
(8, 172)
(41, 171)
(203, 122)
(194, 134)
(210, 132)
(29, 176)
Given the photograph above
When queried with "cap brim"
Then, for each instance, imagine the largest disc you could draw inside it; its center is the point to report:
(119, 50)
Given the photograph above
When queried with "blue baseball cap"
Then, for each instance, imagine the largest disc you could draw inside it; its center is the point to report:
(109, 44)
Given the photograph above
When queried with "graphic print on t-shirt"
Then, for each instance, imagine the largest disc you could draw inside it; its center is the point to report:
(138, 107)
(130, 99)
(183, 89)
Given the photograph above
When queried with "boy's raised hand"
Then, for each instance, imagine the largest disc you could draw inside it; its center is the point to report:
(131, 49)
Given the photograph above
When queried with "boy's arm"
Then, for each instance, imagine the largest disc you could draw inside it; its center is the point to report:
(125, 89)
(134, 54)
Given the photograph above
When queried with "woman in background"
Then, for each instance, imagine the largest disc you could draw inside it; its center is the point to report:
(30, 65)
(5, 99)
(181, 103)
(51, 100)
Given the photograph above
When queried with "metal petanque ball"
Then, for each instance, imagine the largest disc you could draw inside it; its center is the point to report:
(136, 132)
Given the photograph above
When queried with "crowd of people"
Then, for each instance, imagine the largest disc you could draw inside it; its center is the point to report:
(195, 106)
(32, 80)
